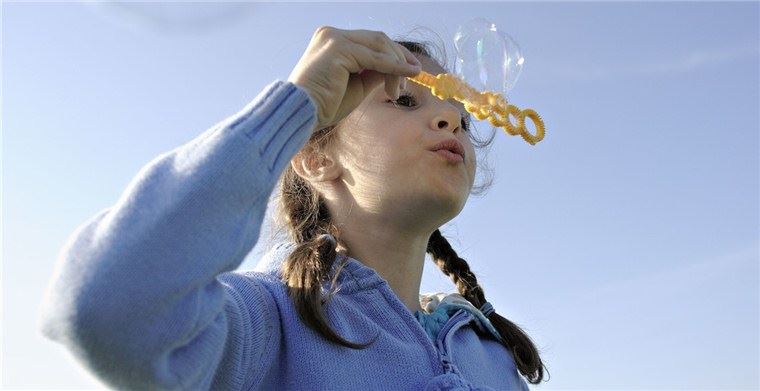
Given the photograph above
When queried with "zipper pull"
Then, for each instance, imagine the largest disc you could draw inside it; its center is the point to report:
(446, 362)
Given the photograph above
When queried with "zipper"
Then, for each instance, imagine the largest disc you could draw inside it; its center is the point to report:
(447, 365)
(443, 357)
(443, 353)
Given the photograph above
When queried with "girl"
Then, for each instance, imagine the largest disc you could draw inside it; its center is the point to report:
(146, 294)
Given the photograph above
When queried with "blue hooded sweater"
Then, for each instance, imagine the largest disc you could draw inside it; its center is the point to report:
(146, 295)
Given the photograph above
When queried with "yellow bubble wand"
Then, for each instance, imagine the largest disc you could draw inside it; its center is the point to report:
(483, 105)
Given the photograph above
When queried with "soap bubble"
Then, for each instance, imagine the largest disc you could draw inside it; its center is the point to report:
(488, 59)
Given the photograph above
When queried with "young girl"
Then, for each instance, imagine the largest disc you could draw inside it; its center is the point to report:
(146, 294)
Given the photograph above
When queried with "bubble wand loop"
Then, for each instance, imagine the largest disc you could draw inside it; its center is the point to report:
(483, 105)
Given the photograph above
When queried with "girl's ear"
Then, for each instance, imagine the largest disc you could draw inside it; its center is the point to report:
(314, 166)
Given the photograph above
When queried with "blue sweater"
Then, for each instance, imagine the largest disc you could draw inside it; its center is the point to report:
(146, 294)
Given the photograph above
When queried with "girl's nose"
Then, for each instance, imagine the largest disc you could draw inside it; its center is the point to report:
(446, 120)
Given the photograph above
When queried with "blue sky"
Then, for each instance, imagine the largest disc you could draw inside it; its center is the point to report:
(625, 243)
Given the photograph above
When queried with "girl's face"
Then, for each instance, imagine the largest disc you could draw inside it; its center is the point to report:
(384, 151)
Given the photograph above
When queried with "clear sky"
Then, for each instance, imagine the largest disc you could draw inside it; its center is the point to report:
(625, 243)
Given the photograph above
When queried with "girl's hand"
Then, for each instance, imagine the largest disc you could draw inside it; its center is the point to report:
(341, 67)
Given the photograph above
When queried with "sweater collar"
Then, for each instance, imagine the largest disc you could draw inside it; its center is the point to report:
(355, 276)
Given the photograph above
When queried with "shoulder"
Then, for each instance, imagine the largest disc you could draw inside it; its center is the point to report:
(252, 283)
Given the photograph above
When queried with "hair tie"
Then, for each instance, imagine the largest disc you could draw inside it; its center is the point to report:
(328, 237)
(486, 309)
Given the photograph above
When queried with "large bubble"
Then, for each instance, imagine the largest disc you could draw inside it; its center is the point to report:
(488, 59)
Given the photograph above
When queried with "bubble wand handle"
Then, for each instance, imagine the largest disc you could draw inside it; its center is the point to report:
(483, 105)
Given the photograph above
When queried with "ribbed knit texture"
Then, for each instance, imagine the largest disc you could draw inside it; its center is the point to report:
(146, 295)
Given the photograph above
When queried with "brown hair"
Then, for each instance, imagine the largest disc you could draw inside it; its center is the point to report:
(310, 265)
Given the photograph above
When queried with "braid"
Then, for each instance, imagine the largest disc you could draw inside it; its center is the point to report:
(310, 263)
(457, 268)
(513, 337)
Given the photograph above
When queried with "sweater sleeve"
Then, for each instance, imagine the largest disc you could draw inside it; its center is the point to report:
(135, 295)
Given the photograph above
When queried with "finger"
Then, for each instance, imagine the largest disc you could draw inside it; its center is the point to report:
(380, 42)
(399, 83)
(392, 86)
(409, 56)
(365, 58)
(376, 40)
(398, 49)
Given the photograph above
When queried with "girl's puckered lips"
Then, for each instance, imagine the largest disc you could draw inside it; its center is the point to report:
(452, 145)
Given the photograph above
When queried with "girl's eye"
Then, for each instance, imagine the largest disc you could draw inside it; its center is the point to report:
(465, 122)
(405, 97)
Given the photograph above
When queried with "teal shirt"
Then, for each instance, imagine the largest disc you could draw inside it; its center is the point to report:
(442, 307)
(432, 322)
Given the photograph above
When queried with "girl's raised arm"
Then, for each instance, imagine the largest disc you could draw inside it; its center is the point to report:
(135, 296)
